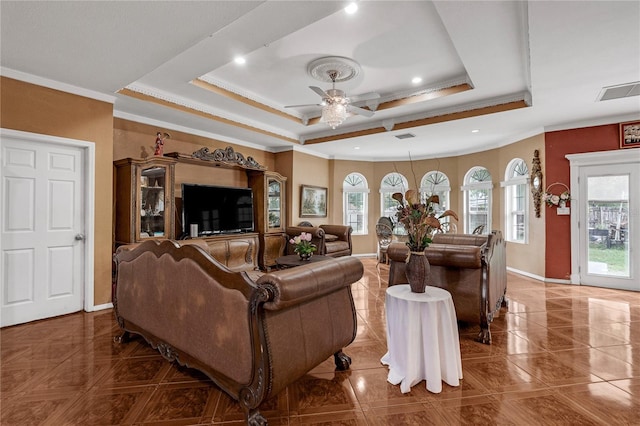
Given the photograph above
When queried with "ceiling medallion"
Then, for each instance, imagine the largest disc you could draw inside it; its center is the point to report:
(322, 69)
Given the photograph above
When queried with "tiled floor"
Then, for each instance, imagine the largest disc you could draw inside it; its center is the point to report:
(561, 355)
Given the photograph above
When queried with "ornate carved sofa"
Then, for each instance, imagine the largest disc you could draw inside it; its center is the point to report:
(251, 337)
(471, 267)
(330, 240)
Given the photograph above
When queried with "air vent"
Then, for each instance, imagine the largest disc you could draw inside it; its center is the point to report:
(619, 91)
(406, 136)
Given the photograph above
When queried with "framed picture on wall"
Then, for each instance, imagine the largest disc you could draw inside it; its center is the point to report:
(630, 134)
(313, 201)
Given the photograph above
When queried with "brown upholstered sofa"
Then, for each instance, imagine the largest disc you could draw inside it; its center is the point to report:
(252, 338)
(471, 267)
(330, 240)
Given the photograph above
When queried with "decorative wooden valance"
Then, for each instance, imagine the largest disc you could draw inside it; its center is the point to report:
(227, 157)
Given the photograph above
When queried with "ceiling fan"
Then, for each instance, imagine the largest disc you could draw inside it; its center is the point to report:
(335, 103)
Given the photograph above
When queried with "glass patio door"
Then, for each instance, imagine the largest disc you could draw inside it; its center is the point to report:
(609, 231)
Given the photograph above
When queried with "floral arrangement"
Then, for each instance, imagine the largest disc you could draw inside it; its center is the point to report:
(418, 218)
(556, 200)
(303, 244)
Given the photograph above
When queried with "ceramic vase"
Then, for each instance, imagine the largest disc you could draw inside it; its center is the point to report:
(305, 256)
(418, 271)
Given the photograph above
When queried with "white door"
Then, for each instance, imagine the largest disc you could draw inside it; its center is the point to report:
(609, 231)
(42, 240)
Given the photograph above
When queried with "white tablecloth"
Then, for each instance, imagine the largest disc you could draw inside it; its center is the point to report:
(422, 338)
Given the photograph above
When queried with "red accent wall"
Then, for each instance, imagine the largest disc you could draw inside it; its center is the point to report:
(556, 169)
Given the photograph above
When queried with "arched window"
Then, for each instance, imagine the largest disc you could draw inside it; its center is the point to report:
(477, 200)
(393, 182)
(516, 185)
(355, 202)
(436, 183)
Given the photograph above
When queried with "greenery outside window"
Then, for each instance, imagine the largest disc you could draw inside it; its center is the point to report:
(477, 190)
(391, 183)
(355, 203)
(516, 190)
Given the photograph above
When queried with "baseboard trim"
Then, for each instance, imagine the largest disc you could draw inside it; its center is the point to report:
(101, 307)
(537, 277)
(525, 273)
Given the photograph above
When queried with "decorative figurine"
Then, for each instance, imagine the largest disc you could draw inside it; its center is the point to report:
(160, 143)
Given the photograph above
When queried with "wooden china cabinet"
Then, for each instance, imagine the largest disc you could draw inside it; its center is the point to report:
(144, 199)
(269, 201)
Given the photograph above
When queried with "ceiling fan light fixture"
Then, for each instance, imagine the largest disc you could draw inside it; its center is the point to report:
(334, 114)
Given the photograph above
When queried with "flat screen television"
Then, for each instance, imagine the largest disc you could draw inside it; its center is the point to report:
(216, 209)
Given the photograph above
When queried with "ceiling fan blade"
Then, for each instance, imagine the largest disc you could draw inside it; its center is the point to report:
(300, 106)
(360, 111)
(364, 97)
(319, 91)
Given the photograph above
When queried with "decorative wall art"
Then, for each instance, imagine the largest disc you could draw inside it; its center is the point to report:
(313, 201)
(630, 134)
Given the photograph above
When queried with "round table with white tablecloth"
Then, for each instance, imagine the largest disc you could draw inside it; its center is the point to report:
(422, 338)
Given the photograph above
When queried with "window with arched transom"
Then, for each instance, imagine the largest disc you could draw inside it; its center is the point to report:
(391, 183)
(355, 202)
(516, 189)
(478, 194)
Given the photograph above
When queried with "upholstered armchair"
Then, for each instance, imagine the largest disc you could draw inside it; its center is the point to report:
(330, 240)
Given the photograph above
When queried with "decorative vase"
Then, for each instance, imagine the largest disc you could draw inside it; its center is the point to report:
(418, 271)
(305, 256)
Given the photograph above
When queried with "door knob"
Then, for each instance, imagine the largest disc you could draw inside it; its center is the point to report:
(79, 237)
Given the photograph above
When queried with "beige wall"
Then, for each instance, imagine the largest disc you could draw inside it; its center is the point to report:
(341, 168)
(309, 170)
(136, 140)
(30, 108)
(527, 257)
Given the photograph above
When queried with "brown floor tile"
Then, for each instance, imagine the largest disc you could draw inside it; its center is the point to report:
(550, 369)
(497, 374)
(411, 414)
(484, 410)
(545, 408)
(560, 354)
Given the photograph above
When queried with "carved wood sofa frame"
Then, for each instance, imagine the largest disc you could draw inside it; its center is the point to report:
(252, 338)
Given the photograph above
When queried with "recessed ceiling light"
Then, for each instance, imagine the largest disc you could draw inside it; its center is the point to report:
(351, 8)
(356, 147)
(416, 80)
(240, 60)
(475, 131)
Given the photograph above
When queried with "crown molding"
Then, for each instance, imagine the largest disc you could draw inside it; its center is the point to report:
(56, 85)
(189, 130)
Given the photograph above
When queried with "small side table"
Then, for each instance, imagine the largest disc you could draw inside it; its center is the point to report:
(292, 260)
(422, 338)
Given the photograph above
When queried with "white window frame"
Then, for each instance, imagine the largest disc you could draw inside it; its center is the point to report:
(389, 184)
(355, 183)
(470, 185)
(515, 180)
(441, 188)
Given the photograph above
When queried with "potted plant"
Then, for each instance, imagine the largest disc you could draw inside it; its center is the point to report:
(420, 222)
(303, 246)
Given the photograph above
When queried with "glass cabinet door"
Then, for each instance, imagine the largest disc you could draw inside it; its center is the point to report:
(274, 204)
(152, 202)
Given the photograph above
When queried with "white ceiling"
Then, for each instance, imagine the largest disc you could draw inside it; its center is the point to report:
(555, 56)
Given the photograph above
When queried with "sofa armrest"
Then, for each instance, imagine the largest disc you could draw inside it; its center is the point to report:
(297, 285)
(495, 258)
